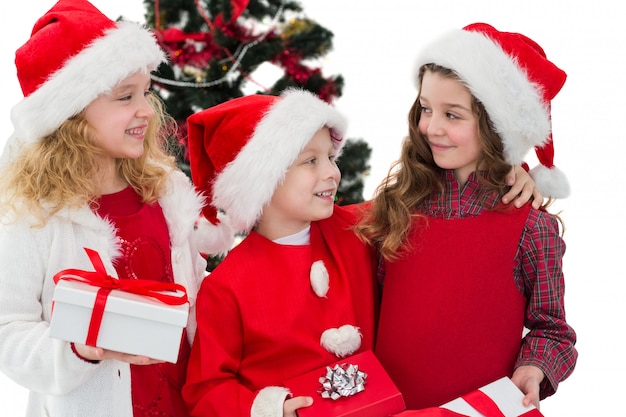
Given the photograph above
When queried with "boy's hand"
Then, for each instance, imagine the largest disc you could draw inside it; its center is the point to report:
(527, 378)
(523, 185)
(292, 404)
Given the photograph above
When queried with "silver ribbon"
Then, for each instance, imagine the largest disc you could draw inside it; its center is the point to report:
(342, 381)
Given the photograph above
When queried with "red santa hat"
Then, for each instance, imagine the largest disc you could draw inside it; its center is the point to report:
(239, 151)
(74, 54)
(511, 76)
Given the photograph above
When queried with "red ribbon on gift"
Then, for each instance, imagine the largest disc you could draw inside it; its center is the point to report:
(480, 401)
(106, 283)
(483, 403)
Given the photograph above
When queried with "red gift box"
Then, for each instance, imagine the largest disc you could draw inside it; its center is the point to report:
(380, 397)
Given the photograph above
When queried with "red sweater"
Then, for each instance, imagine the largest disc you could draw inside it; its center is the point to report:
(145, 243)
(259, 321)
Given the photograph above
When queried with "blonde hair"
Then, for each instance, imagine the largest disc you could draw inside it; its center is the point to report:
(59, 170)
(415, 176)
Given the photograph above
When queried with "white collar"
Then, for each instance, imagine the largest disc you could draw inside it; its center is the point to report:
(302, 237)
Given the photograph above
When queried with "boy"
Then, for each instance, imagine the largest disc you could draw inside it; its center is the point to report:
(298, 292)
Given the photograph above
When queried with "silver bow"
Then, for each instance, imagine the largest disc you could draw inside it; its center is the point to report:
(342, 381)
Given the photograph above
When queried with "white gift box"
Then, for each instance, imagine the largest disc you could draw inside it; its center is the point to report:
(504, 393)
(134, 324)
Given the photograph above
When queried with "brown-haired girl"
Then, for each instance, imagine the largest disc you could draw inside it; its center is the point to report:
(463, 274)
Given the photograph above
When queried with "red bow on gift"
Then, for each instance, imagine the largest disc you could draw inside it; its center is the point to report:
(106, 283)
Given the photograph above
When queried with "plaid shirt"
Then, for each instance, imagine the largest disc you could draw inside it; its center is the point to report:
(549, 340)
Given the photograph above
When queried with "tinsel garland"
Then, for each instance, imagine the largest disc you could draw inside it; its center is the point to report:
(179, 57)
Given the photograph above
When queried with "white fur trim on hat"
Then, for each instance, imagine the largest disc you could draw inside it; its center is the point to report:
(121, 52)
(247, 184)
(513, 102)
(269, 402)
(342, 341)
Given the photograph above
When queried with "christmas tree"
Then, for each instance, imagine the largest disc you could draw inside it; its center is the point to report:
(217, 48)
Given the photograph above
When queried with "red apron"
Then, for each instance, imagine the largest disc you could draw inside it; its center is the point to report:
(451, 316)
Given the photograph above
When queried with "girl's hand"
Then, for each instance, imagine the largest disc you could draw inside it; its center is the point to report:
(91, 353)
(522, 188)
(292, 404)
(527, 378)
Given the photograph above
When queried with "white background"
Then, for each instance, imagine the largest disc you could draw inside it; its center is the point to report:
(375, 44)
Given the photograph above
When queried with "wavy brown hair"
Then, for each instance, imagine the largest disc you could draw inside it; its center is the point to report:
(415, 176)
(59, 170)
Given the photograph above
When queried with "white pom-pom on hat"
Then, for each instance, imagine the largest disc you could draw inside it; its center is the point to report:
(551, 181)
(214, 239)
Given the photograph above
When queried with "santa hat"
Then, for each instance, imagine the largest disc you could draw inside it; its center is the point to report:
(511, 76)
(74, 54)
(239, 151)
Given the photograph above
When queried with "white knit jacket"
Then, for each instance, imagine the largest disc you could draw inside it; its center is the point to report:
(61, 384)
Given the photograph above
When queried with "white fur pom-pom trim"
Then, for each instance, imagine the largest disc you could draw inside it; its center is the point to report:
(214, 239)
(552, 182)
(342, 341)
(269, 402)
(319, 278)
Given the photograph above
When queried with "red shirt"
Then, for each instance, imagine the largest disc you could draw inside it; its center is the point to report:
(145, 243)
(260, 322)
